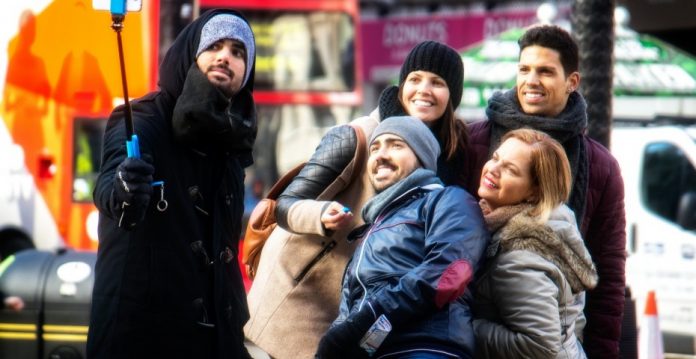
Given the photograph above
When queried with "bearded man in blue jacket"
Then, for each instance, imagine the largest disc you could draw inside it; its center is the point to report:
(421, 245)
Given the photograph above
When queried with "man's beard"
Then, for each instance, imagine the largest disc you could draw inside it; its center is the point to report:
(225, 89)
(381, 186)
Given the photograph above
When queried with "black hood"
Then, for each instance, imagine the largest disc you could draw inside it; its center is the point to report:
(182, 55)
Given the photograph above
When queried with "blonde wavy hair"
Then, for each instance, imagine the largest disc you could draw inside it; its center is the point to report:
(550, 171)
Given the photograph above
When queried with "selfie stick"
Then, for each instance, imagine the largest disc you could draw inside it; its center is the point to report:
(118, 14)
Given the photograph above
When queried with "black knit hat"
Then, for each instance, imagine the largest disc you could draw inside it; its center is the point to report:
(439, 59)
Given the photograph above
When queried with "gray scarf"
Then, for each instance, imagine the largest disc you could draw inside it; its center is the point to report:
(505, 114)
(418, 178)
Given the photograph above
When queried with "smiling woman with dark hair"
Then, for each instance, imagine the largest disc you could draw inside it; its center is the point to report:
(289, 311)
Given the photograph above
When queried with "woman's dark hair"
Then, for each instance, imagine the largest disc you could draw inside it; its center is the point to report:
(452, 133)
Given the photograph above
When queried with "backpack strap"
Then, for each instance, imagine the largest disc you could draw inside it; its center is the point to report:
(284, 181)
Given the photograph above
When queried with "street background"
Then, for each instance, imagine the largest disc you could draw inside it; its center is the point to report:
(321, 63)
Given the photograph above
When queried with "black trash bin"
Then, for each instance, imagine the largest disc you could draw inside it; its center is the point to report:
(57, 289)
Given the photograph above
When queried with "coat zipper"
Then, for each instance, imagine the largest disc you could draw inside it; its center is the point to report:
(360, 257)
(380, 216)
(324, 251)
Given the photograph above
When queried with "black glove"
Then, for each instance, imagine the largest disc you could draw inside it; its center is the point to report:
(343, 340)
(132, 190)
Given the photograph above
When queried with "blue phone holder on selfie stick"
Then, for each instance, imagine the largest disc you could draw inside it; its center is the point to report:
(118, 7)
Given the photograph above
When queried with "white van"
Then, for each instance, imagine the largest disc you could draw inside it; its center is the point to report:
(658, 164)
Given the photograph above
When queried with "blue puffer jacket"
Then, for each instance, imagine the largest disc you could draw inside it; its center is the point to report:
(414, 266)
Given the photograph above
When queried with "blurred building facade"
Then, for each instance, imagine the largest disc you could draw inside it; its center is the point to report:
(400, 24)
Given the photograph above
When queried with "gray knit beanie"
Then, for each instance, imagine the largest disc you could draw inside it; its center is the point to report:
(416, 134)
(227, 26)
(439, 59)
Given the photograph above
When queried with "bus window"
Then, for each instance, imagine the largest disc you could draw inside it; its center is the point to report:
(87, 144)
(307, 79)
(288, 135)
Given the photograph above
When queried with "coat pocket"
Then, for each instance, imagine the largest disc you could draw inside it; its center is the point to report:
(293, 256)
(328, 247)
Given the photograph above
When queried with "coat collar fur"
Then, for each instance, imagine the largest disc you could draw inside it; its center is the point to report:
(567, 252)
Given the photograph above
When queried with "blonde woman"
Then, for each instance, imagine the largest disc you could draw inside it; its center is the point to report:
(530, 296)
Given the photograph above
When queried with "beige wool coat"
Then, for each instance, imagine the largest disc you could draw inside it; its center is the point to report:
(288, 317)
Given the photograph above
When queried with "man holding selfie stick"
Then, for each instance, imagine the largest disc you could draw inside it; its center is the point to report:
(167, 280)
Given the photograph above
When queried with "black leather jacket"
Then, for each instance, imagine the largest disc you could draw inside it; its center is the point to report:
(333, 154)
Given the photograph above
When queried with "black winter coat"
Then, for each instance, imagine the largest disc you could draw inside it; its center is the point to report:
(156, 284)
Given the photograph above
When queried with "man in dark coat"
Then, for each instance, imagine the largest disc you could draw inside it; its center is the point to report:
(167, 279)
(545, 99)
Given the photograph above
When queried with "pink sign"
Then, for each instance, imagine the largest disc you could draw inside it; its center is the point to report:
(386, 42)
